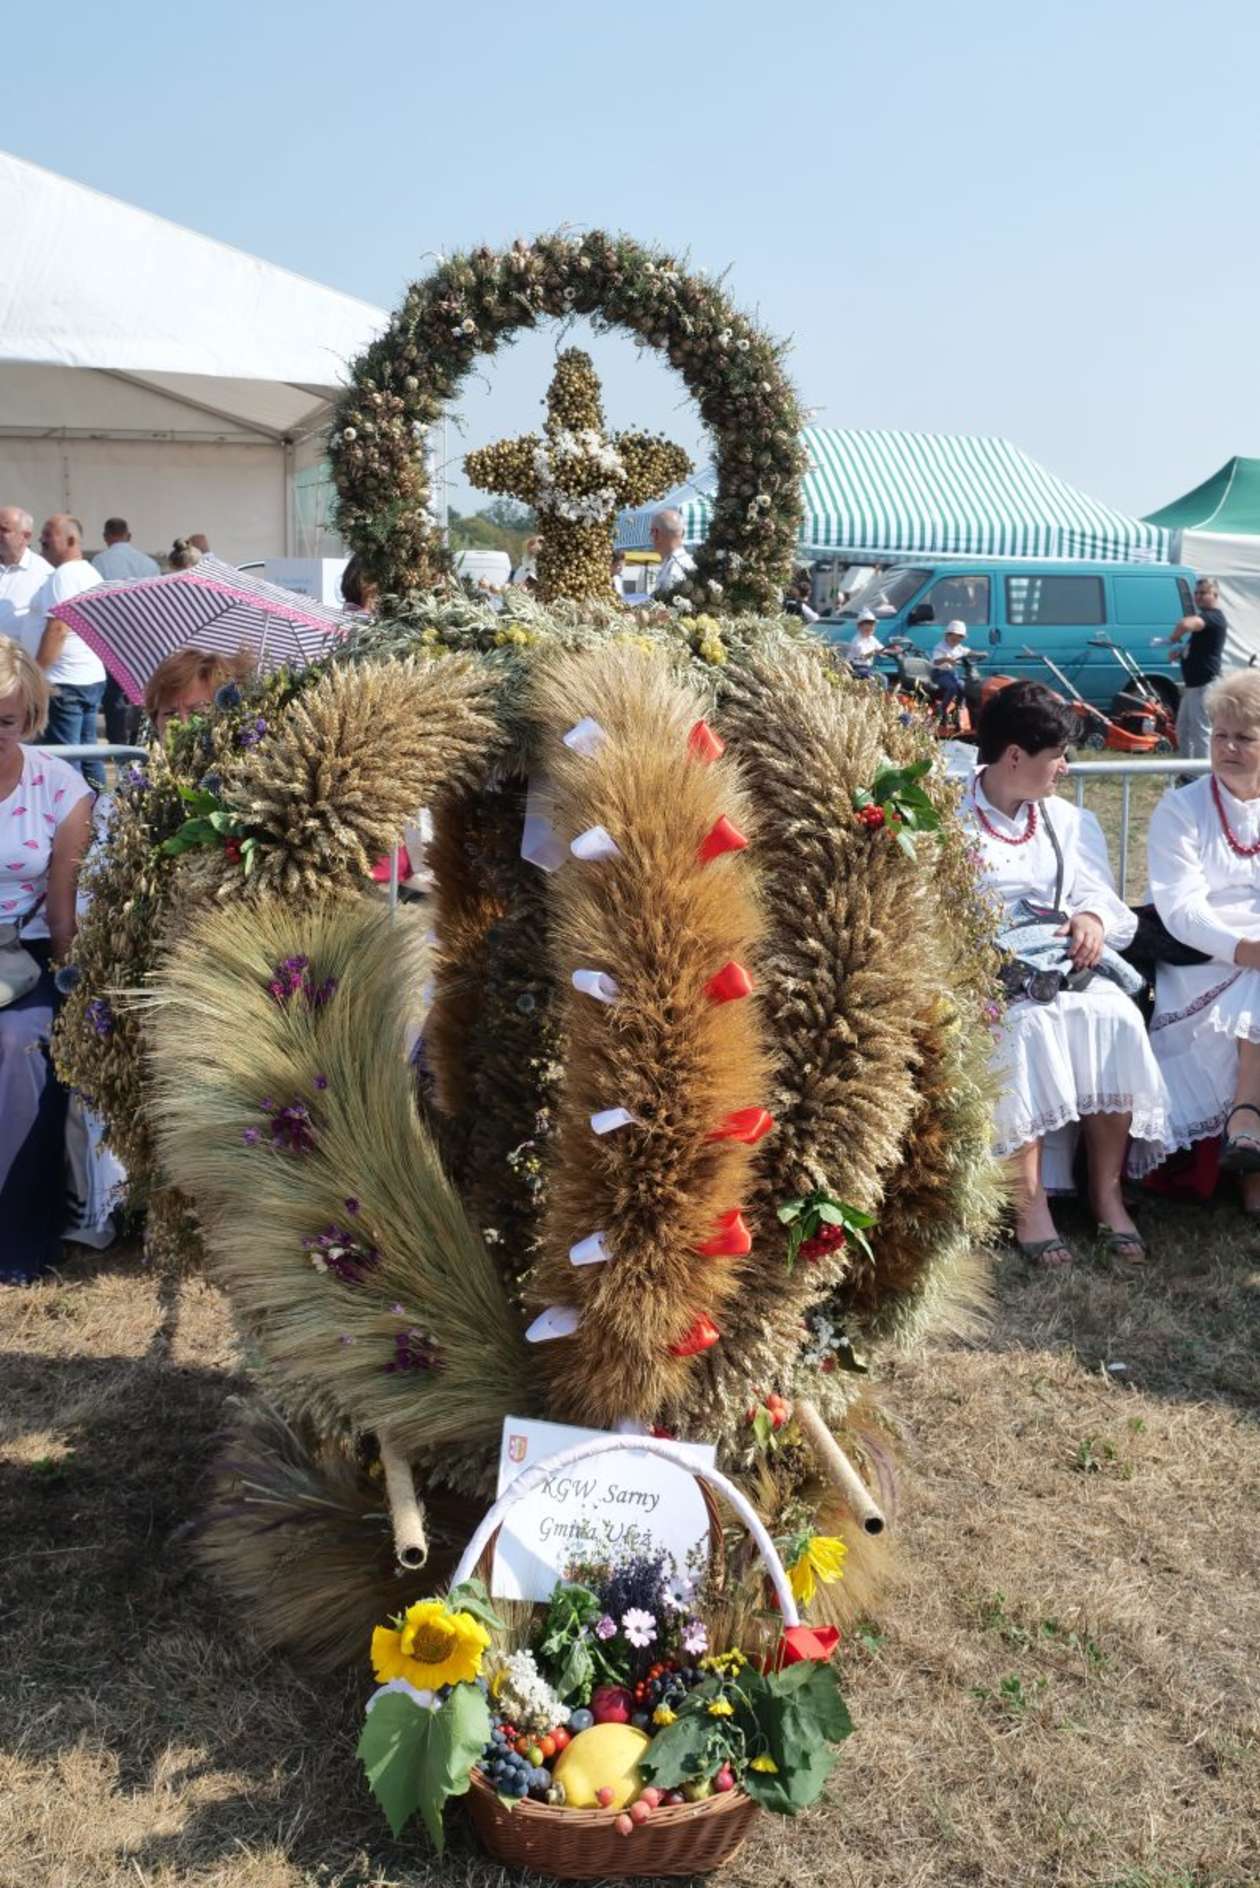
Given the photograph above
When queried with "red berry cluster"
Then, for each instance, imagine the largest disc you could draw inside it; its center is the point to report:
(779, 1412)
(828, 1238)
(654, 1672)
(872, 817)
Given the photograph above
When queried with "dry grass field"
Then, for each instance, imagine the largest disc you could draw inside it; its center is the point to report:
(1062, 1689)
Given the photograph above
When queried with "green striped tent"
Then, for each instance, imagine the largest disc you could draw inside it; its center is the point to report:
(870, 496)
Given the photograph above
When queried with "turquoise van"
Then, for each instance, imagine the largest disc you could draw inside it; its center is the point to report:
(1017, 610)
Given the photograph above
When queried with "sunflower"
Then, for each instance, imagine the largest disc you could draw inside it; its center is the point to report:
(432, 1646)
(821, 1558)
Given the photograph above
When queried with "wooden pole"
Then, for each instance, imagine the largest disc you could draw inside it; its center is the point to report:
(840, 1471)
(411, 1542)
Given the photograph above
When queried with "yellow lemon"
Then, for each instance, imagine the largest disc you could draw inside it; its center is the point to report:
(606, 1757)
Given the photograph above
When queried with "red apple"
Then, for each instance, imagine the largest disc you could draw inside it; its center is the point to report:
(612, 1704)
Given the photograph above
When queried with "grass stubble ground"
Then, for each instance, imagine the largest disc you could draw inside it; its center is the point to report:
(1062, 1688)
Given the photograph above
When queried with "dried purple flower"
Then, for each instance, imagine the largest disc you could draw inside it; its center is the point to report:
(251, 733)
(292, 1129)
(251, 1137)
(414, 1350)
(337, 1250)
(100, 1017)
(321, 1082)
(352, 1207)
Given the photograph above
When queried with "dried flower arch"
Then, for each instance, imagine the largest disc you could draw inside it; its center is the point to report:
(473, 304)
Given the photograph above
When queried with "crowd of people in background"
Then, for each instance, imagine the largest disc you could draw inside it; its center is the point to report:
(33, 583)
(1073, 1058)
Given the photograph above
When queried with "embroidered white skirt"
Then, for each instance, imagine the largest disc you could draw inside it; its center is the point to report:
(1085, 1053)
(1202, 1012)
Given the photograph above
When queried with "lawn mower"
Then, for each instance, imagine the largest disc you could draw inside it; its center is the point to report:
(1097, 730)
(1144, 707)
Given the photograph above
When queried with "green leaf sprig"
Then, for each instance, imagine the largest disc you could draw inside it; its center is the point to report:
(211, 824)
(804, 1219)
(906, 807)
(780, 1737)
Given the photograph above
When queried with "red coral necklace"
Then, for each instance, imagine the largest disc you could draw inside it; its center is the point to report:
(1028, 831)
(1235, 845)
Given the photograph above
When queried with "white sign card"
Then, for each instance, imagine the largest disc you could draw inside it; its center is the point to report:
(609, 1508)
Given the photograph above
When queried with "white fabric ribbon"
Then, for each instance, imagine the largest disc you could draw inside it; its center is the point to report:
(586, 738)
(595, 843)
(597, 983)
(555, 1321)
(590, 1251)
(609, 1119)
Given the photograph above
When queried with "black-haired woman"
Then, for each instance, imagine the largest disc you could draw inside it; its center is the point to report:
(1082, 1056)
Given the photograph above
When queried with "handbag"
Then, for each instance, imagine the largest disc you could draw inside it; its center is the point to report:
(1026, 976)
(1154, 944)
(19, 971)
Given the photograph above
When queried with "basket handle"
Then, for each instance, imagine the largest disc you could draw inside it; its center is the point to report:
(530, 1478)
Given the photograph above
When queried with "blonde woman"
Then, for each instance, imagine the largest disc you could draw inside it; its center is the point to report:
(45, 821)
(1204, 862)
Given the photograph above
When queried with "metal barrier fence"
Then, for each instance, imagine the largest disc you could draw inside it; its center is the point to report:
(95, 750)
(1123, 774)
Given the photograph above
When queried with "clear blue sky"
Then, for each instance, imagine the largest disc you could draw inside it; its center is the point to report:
(1035, 220)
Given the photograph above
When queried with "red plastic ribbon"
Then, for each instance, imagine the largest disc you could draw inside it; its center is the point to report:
(732, 1240)
(729, 983)
(703, 1335)
(704, 745)
(806, 1642)
(749, 1125)
(723, 837)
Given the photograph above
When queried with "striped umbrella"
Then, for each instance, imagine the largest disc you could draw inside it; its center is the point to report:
(132, 626)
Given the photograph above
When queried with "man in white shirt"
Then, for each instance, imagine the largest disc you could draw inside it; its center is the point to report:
(677, 563)
(120, 561)
(22, 571)
(76, 673)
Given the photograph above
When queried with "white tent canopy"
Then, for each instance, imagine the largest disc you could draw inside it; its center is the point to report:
(152, 372)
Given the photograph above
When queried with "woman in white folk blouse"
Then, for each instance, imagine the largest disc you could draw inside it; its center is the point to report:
(1204, 861)
(44, 825)
(1082, 1057)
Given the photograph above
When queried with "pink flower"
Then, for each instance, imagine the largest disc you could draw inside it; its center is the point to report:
(695, 1638)
(605, 1628)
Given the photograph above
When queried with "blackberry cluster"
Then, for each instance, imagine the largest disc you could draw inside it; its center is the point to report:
(510, 1773)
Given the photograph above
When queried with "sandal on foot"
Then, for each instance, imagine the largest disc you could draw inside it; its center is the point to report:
(1240, 1153)
(1055, 1254)
(1128, 1247)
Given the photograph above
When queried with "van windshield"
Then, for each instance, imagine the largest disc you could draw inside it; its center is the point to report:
(887, 592)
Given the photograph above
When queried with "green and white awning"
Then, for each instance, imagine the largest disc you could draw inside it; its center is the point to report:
(870, 496)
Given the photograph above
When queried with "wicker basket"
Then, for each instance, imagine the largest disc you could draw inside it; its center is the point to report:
(584, 1844)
